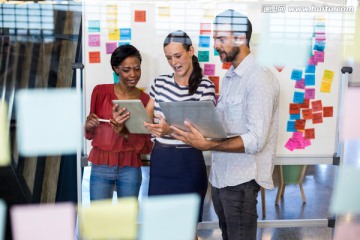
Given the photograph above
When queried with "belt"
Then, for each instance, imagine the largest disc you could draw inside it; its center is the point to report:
(174, 145)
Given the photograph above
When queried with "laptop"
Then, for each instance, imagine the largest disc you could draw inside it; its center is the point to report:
(201, 114)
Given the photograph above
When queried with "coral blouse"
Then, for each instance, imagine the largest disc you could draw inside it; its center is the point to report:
(108, 147)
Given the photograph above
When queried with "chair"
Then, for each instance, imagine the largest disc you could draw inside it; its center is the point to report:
(43, 221)
(105, 219)
(291, 174)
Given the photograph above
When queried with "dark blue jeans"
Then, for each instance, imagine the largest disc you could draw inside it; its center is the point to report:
(235, 207)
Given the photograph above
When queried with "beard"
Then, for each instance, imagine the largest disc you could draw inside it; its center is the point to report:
(231, 56)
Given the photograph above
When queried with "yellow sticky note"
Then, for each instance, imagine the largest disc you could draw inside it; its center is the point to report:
(106, 220)
(114, 34)
(328, 76)
(111, 9)
(346, 194)
(4, 135)
(325, 87)
(164, 11)
(111, 24)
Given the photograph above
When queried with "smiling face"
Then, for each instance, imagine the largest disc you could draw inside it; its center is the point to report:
(179, 59)
(129, 71)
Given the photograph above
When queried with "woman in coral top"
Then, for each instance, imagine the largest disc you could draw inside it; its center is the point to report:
(115, 153)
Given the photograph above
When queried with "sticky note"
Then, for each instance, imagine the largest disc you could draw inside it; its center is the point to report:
(300, 124)
(298, 97)
(226, 65)
(319, 46)
(320, 37)
(115, 78)
(305, 104)
(205, 28)
(297, 135)
(215, 80)
(328, 75)
(106, 220)
(216, 53)
(164, 11)
(140, 16)
(300, 84)
(4, 135)
(113, 34)
(309, 133)
(309, 79)
(294, 108)
(94, 40)
(290, 144)
(307, 114)
(49, 121)
(43, 221)
(328, 111)
(158, 224)
(125, 34)
(319, 56)
(209, 69)
(94, 57)
(203, 56)
(316, 106)
(317, 118)
(346, 195)
(94, 25)
(204, 41)
(296, 74)
(110, 47)
(290, 126)
(294, 116)
(311, 61)
(325, 87)
(309, 93)
(310, 69)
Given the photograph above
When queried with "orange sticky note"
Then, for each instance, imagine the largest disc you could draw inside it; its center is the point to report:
(226, 65)
(140, 16)
(325, 87)
(215, 80)
(94, 57)
(328, 111)
(309, 133)
(316, 106)
(300, 124)
(294, 108)
(317, 118)
(305, 104)
(307, 113)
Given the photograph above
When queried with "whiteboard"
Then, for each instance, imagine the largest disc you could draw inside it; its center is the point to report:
(163, 17)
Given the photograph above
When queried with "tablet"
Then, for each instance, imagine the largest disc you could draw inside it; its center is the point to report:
(201, 114)
(138, 115)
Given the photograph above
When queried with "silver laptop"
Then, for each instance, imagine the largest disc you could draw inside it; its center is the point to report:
(201, 114)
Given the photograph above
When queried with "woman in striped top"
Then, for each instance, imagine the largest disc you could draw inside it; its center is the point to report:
(177, 168)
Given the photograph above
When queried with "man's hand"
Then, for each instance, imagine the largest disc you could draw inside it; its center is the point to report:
(193, 137)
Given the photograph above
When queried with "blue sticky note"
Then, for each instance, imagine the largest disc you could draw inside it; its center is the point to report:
(291, 126)
(309, 79)
(319, 46)
(310, 69)
(123, 43)
(125, 33)
(294, 116)
(203, 56)
(296, 74)
(94, 25)
(216, 53)
(298, 97)
(115, 77)
(49, 121)
(204, 41)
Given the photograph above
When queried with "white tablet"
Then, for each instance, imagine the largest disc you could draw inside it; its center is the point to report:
(138, 115)
(201, 114)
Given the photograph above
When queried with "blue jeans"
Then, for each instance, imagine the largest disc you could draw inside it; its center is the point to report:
(235, 207)
(104, 179)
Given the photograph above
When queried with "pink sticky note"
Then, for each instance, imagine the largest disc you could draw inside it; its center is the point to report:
(209, 69)
(310, 93)
(300, 84)
(297, 135)
(320, 37)
(318, 56)
(290, 144)
(110, 47)
(43, 221)
(94, 40)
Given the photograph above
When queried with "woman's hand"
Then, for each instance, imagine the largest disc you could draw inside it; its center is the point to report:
(91, 122)
(118, 119)
(160, 129)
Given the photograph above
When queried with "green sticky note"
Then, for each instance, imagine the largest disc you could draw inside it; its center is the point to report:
(203, 56)
(346, 194)
(4, 135)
